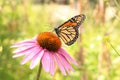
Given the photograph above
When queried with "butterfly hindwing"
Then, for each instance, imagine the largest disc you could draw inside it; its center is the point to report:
(68, 31)
(68, 35)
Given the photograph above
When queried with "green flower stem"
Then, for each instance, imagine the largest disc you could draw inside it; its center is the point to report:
(39, 71)
(113, 47)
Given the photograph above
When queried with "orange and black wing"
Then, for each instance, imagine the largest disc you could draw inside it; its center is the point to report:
(68, 31)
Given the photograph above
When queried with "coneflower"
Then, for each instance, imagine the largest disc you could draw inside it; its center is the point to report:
(45, 49)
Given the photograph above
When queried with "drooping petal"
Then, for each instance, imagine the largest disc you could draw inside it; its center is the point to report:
(29, 56)
(23, 43)
(23, 48)
(36, 59)
(52, 65)
(66, 55)
(65, 62)
(46, 61)
(22, 52)
(17, 55)
(59, 64)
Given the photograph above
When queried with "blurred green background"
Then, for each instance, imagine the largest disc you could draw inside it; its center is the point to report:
(23, 19)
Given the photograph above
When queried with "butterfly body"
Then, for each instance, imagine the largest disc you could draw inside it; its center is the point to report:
(68, 31)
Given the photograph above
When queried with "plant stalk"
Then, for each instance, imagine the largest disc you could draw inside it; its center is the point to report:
(39, 71)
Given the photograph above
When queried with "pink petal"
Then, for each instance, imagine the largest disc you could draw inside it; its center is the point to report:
(29, 56)
(23, 43)
(59, 64)
(46, 61)
(66, 55)
(17, 55)
(52, 65)
(36, 59)
(23, 48)
(66, 64)
(22, 52)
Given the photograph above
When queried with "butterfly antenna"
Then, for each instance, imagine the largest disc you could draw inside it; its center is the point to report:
(113, 47)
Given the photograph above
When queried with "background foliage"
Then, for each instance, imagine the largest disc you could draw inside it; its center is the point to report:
(23, 19)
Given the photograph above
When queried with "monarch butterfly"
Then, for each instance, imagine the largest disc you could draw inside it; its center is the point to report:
(68, 31)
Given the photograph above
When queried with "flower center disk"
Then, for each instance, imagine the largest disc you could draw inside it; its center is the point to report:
(49, 41)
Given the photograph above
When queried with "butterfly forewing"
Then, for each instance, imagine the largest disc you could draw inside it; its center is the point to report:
(68, 31)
